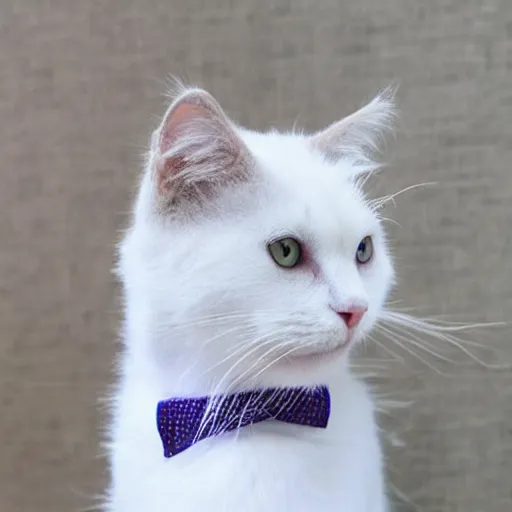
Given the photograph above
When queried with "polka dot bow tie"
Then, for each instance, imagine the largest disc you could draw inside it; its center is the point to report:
(182, 422)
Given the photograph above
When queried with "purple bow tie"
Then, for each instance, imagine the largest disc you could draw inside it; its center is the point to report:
(182, 421)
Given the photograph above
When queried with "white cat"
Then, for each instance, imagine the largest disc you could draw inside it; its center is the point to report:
(253, 261)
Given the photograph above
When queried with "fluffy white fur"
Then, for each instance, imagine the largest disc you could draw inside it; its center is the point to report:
(208, 310)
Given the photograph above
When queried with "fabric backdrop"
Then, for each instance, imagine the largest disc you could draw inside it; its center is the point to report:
(80, 86)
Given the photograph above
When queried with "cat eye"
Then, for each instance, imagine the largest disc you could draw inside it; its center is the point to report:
(286, 252)
(364, 250)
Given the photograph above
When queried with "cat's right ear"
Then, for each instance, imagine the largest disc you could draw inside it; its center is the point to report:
(196, 150)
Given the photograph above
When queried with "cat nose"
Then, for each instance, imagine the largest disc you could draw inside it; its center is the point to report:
(353, 315)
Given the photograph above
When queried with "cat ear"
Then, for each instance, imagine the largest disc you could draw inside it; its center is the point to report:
(196, 149)
(357, 136)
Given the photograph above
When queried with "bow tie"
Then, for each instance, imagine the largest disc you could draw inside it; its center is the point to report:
(182, 422)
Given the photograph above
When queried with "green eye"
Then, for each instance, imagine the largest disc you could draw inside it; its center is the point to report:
(286, 252)
(365, 250)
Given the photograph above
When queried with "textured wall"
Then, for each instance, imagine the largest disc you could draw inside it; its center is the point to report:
(80, 84)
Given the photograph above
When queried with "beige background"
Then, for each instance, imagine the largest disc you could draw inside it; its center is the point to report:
(80, 86)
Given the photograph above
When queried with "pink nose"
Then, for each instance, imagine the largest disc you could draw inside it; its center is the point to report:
(352, 316)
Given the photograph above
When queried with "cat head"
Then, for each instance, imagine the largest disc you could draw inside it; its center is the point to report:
(254, 258)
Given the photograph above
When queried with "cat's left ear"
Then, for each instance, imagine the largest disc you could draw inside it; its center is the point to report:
(357, 136)
(196, 149)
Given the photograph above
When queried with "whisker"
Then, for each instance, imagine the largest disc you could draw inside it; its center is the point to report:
(443, 332)
(377, 203)
(210, 340)
(218, 387)
(391, 221)
(276, 348)
(395, 356)
(408, 320)
(218, 318)
(294, 349)
(414, 354)
(424, 346)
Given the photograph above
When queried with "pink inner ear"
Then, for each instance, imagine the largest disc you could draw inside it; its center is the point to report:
(176, 123)
(171, 166)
